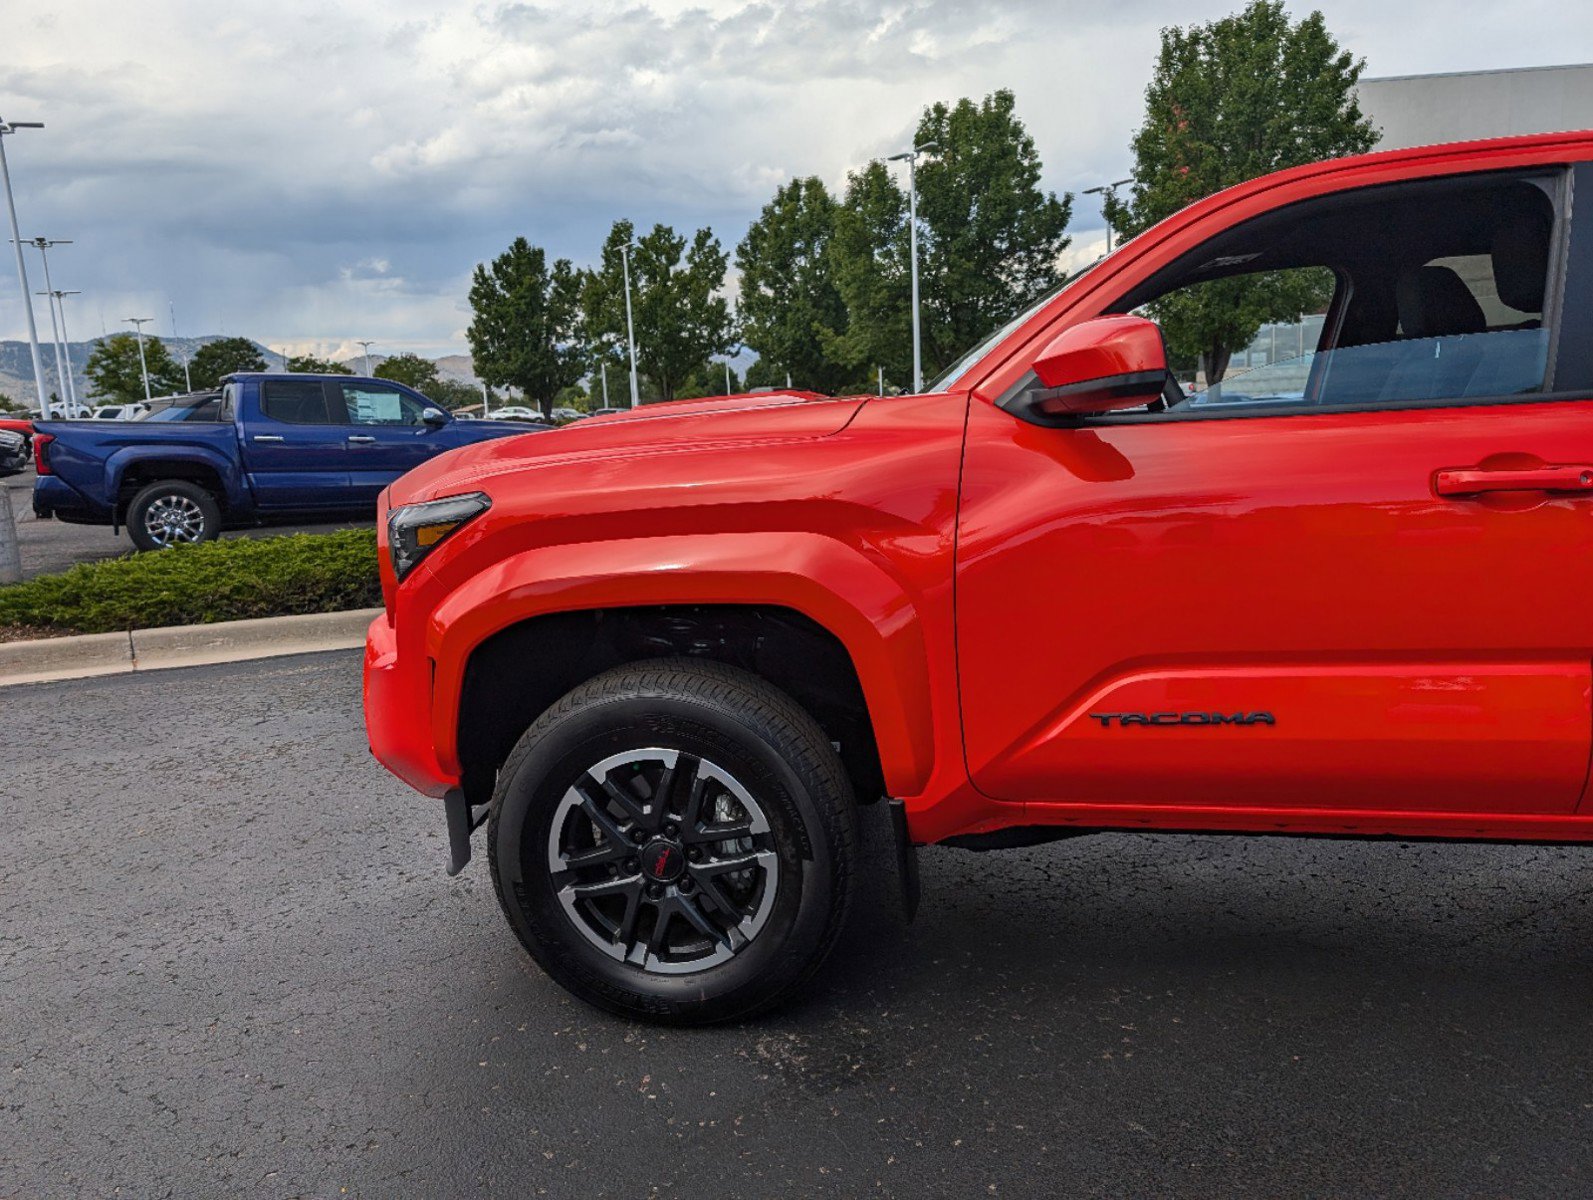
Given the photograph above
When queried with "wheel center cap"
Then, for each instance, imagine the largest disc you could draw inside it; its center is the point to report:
(663, 860)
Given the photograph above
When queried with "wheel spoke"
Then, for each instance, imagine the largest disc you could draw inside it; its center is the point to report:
(695, 917)
(713, 867)
(680, 789)
(607, 887)
(598, 856)
(599, 816)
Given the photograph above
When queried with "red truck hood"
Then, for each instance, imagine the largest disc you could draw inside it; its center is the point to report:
(678, 426)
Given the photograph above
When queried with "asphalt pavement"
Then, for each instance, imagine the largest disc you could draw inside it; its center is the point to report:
(51, 546)
(232, 964)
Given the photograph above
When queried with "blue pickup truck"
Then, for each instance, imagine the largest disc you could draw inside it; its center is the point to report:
(270, 448)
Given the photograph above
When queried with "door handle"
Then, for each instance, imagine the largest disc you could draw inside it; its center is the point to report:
(361, 438)
(268, 437)
(1471, 481)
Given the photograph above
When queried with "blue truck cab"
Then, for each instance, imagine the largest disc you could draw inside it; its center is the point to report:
(282, 447)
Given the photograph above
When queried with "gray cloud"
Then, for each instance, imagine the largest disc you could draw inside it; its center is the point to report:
(310, 174)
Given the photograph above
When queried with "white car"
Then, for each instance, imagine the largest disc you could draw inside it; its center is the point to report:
(121, 412)
(516, 412)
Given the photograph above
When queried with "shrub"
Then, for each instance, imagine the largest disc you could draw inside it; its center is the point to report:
(195, 585)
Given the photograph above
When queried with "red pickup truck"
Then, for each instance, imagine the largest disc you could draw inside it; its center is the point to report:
(1344, 591)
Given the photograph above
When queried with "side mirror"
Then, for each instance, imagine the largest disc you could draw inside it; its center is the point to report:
(433, 416)
(1097, 366)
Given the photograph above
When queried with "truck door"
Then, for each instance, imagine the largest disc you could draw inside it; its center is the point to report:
(294, 447)
(1352, 578)
(385, 434)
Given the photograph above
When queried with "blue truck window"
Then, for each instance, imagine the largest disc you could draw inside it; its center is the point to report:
(298, 402)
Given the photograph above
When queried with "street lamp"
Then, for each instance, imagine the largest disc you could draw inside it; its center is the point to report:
(63, 373)
(366, 346)
(66, 339)
(138, 323)
(630, 327)
(42, 245)
(910, 157)
(188, 380)
(603, 370)
(1108, 194)
(8, 127)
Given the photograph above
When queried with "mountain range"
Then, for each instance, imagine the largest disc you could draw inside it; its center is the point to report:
(16, 365)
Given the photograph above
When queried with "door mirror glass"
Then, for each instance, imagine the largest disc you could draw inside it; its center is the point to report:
(1097, 366)
(433, 416)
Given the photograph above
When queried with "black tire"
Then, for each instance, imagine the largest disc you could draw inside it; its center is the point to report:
(195, 515)
(723, 723)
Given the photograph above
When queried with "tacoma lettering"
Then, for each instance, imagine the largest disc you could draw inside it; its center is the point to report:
(1184, 718)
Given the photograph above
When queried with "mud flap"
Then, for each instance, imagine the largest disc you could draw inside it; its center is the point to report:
(461, 824)
(906, 858)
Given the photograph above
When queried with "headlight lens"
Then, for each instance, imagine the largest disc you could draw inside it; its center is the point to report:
(415, 530)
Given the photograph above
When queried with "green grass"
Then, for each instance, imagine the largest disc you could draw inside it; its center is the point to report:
(197, 585)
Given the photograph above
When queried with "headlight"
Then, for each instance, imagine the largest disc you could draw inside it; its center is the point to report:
(415, 530)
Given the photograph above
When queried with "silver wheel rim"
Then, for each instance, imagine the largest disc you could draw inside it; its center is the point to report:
(612, 850)
(172, 519)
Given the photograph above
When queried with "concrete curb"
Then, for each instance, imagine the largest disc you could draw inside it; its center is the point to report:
(180, 646)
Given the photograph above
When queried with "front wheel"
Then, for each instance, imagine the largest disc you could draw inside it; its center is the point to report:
(675, 841)
(172, 512)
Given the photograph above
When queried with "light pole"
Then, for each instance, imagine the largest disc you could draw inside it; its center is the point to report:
(1108, 193)
(9, 127)
(42, 245)
(63, 374)
(630, 327)
(138, 323)
(727, 377)
(910, 157)
(603, 368)
(188, 380)
(71, 384)
(486, 396)
(366, 346)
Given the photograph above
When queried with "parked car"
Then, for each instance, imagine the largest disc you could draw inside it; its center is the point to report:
(608, 412)
(516, 412)
(279, 448)
(665, 655)
(121, 412)
(19, 425)
(14, 455)
(564, 416)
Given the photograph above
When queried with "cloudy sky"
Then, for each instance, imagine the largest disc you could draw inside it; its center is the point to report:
(308, 174)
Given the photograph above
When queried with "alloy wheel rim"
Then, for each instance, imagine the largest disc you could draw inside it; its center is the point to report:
(172, 519)
(663, 860)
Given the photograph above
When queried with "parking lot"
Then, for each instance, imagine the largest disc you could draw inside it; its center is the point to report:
(233, 964)
(51, 546)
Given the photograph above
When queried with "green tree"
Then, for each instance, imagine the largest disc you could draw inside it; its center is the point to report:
(451, 393)
(709, 380)
(8, 405)
(115, 370)
(992, 237)
(1231, 100)
(411, 370)
(214, 361)
(309, 364)
(869, 249)
(790, 309)
(681, 319)
(989, 241)
(525, 329)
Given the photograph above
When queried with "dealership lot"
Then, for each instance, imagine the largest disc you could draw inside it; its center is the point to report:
(51, 546)
(232, 964)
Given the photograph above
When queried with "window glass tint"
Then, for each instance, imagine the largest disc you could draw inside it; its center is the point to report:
(299, 402)
(1438, 293)
(371, 404)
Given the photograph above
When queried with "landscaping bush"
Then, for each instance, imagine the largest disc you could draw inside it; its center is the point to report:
(194, 585)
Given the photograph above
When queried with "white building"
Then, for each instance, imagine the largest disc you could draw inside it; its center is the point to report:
(1421, 110)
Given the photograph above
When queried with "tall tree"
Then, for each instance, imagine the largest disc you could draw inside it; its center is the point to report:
(1228, 101)
(869, 254)
(215, 360)
(681, 319)
(117, 373)
(992, 237)
(411, 370)
(790, 309)
(524, 333)
(309, 364)
(989, 240)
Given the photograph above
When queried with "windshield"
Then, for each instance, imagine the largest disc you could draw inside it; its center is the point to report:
(957, 369)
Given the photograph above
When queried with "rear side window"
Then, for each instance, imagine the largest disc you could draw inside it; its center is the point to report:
(373, 404)
(295, 402)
